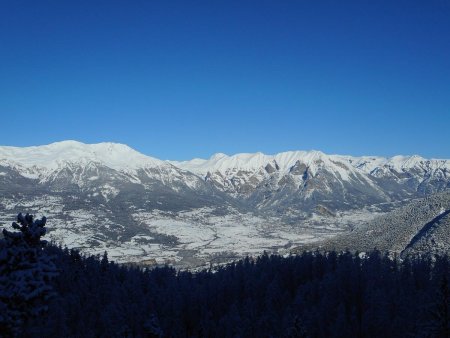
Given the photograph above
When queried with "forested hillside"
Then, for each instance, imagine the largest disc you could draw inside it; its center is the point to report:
(308, 295)
(419, 227)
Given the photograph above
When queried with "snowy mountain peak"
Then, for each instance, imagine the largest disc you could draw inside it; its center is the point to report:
(113, 155)
(218, 156)
(236, 169)
(253, 161)
(398, 163)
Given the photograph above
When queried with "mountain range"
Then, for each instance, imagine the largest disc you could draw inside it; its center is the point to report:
(108, 196)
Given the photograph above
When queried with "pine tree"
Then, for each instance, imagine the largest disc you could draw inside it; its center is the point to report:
(25, 274)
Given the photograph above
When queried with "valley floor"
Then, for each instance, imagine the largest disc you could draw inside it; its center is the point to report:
(187, 239)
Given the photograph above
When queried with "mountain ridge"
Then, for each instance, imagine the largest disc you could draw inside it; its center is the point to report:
(110, 197)
(287, 158)
(255, 179)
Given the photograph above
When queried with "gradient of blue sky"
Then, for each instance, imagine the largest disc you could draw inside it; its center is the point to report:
(183, 79)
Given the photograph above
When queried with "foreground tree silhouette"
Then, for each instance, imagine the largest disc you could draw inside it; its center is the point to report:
(25, 274)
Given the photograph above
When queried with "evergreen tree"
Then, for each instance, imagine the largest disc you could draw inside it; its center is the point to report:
(25, 274)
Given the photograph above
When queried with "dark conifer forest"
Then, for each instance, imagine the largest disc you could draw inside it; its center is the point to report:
(47, 291)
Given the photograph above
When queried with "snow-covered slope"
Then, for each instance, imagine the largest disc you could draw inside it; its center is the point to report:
(103, 171)
(373, 165)
(286, 160)
(309, 178)
(113, 155)
(81, 164)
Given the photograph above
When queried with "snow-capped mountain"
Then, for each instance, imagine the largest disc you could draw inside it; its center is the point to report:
(108, 196)
(113, 155)
(94, 168)
(299, 179)
(315, 161)
(80, 163)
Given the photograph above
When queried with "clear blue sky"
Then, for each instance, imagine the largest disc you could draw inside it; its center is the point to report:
(183, 79)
